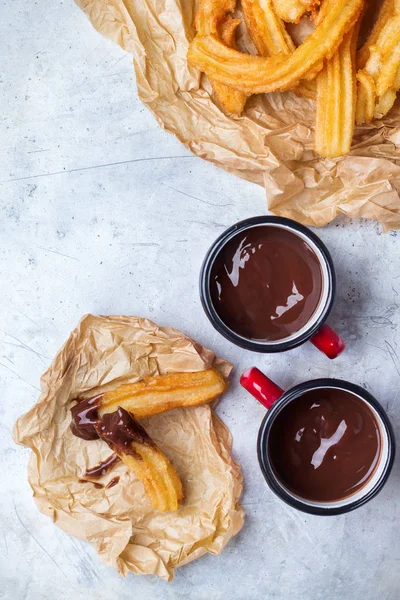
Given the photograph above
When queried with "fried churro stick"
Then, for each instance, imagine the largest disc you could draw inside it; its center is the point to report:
(267, 31)
(137, 450)
(210, 14)
(336, 96)
(255, 74)
(379, 80)
(227, 31)
(385, 102)
(231, 100)
(386, 11)
(155, 395)
(389, 56)
(269, 35)
(366, 95)
(213, 18)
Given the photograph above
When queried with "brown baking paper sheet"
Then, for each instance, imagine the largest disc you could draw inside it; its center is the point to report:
(272, 143)
(127, 533)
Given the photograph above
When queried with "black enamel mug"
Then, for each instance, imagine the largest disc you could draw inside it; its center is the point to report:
(276, 400)
(316, 330)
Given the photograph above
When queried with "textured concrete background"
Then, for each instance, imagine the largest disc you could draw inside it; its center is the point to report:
(101, 211)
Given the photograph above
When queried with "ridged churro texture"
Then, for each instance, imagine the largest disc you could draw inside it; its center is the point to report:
(255, 74)
(327, 54)
(133, 445)
(212, 17)
(272, 142)
(379, 62)
(336, 100)
(155, 395)
(268, 33)
(265, 28)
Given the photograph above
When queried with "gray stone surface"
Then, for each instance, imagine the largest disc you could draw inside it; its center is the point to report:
(101, 211)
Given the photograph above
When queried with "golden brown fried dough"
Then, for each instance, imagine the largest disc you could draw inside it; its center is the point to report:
(137, 450)
(366, 95)
(232, 101)
(155, 395)
(378, 81)
(322, 66)
(386, 11)
(255, 74)
(336, 97)
(211, 13)
(214, 17)
(267, 30)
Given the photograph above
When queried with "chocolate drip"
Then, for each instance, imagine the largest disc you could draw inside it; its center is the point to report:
(84, 418)
(98, 486)
(103, 467)
(119, 429)
(113, 482)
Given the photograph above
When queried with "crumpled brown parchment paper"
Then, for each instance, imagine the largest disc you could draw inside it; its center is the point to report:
(120, 523)
(272, 144)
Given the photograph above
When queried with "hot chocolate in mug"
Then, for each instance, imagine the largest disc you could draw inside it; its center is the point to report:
(268, 284)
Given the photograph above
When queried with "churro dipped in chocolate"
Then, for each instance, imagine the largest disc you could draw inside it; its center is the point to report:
(130, 442)
(137, 450)
(154, 395)
(112, 417)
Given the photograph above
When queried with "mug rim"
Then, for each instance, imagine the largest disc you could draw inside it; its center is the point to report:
(215, 319)
(265, 463)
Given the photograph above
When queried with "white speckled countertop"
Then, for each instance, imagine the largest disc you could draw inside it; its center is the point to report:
(103, 212)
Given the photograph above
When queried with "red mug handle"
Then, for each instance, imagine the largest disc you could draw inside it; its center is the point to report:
(261, 387)
(328, 342)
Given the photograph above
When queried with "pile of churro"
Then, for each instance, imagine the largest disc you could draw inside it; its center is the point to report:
(349, 86)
